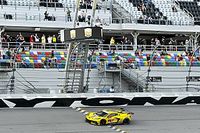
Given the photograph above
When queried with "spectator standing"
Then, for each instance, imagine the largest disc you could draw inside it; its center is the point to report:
(31, 40)
(49, 40)
(83, 15)
(171, 44)
(5, 38)
(69, 18)
(52, 54)
(152, 43)
(55, 64)
(174, 8)
(112, 90)
(59, 39)
(17, 39)
(187, 43)
(143, 8)
(46, 63)
(127, 41)
(123, 40)
(43, 41)
(157, 41)
(112, 41)
(21, 37)
(37, 40)
(163, 40)
(98, 22)
(46, 15)
(171, 41)
(54, 40)
(9, 53)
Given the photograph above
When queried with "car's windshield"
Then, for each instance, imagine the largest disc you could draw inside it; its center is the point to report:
(101, 113)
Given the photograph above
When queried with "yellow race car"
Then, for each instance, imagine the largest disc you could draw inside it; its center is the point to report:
(108, 116)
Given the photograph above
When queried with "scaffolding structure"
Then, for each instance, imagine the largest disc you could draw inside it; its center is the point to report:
(110, 77)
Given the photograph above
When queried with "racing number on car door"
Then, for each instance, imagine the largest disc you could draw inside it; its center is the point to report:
(112, 118)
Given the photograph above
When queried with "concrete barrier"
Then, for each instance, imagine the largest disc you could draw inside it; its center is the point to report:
(90, 99)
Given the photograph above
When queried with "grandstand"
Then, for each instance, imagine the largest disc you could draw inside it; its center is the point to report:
(155, 46)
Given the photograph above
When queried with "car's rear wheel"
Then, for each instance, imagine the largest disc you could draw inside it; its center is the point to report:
(126, 121)
(103, 122)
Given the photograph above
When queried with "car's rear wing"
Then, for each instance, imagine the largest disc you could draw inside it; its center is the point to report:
(131, 113)
(122, 109)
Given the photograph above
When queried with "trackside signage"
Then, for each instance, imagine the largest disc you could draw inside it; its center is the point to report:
(62, 101)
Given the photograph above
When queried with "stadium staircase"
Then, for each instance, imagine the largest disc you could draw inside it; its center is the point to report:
(120, 12)
(191, 6)
(129, 8)
(136, 81)
(178, 17)
(132, 7)
(5, 80)
(75, 69)
(181, 16)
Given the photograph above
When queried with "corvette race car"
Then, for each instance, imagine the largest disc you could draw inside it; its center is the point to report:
(105, 117)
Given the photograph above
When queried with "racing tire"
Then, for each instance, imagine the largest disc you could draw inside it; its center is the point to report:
(103, 122)
(126, 121)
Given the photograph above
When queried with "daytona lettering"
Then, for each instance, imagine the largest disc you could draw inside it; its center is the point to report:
(98, 101)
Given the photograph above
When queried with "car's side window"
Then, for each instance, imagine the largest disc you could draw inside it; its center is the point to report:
(111, 115)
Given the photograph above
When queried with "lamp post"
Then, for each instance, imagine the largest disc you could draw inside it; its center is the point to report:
(1, 31)
(149, 68)
(190, 67)
(12, 79)
(76, 12)
(93, 12)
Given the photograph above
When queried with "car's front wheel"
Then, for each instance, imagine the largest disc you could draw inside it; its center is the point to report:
(126, 121)
(103, 122)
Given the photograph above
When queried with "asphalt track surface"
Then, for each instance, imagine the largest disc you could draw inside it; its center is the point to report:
(158, 119)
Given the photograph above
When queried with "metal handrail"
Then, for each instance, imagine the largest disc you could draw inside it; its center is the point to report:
(103, 47)
(139, 79)
(35, 45)
(185, 10)
(124, 9)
